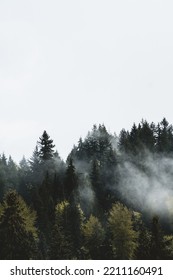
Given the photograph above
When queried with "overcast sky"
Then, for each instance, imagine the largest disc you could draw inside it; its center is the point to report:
(66, 65)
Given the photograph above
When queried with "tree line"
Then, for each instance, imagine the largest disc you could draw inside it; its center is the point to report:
(51, 209)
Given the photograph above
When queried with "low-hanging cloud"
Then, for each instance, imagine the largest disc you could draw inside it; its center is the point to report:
(148, 184)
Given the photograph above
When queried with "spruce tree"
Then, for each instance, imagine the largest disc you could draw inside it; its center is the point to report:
(46, 151)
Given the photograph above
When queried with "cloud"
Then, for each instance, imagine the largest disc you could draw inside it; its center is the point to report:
(147, 184)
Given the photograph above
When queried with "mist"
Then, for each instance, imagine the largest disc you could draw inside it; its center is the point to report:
(132, 172)
(147, 184)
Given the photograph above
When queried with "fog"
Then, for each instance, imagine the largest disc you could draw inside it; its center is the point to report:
(147, 184)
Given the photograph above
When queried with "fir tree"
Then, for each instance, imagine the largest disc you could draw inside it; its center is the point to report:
(46, 151)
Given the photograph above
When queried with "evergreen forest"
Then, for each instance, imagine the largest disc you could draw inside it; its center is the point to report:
(111, 199)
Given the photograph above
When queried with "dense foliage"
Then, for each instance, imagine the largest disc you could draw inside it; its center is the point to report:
(111, 199)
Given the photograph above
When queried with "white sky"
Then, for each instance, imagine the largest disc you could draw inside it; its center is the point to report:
(66, 65)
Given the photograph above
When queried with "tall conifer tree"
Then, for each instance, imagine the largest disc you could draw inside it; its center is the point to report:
(46, 151)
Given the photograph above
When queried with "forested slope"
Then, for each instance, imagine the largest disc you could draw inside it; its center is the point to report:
(111, 199)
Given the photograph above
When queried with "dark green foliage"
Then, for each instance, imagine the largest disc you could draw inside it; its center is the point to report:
(71, 180)
(58, 188)
(97, 145)
(47, 208)
(157, 241)
(164, 137)
(9, 175)
(36, 171)
(147, 136)
(144, 243)
(46, 147)
(3, 176)
(95, 176)
(84, 208)
(65, 240)
(12, 173)
(139, 139)
(124, 145)
(96, 156)
(24, 179)
(97, 185)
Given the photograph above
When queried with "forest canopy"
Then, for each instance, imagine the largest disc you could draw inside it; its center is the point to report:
(111, 199)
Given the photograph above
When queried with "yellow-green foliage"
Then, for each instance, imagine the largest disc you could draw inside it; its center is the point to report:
(18, 234)
(93, 231)
(1, 209)
(168, 244)
(28, 215)
(61, 212)
(61, 206)
(93, 234)
(124, 237)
